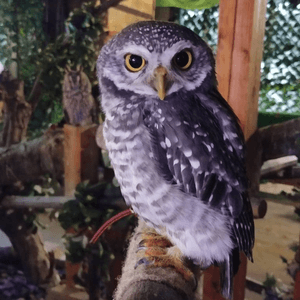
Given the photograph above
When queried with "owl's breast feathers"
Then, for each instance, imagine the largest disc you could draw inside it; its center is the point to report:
(179, 163)
(198, 146)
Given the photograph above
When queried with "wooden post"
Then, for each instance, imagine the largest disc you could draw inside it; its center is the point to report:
(240, 50)
(211, 284)
(80, 156)
(297, 287)
(297, 277)
(128, 12)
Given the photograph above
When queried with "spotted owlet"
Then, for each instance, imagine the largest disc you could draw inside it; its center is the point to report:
(175, 144)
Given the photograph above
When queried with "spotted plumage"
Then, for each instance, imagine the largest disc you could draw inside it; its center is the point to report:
(175, 144)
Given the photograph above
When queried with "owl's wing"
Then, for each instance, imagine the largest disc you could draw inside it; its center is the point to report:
(200, 148)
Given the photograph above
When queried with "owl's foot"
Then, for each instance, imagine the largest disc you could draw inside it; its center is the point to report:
(157, 251)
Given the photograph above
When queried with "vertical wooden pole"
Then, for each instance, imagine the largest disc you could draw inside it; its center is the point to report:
(128, 12)
(240, 49)
(211, 284)
(227, 23)
(297, 278)
(80, 156)
(297, 287)
(239, 57)
(72, 159)
(239, 282)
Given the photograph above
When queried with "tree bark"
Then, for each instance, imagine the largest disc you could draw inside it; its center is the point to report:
(38, 265)
(23, 163)
(151, 283)
(17, 112)
(28, 161)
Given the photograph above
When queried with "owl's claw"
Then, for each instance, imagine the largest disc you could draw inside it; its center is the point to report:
(154, 241)
(158, 251)
(144, 261)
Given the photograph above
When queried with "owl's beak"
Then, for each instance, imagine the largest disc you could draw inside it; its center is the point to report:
(159, 81)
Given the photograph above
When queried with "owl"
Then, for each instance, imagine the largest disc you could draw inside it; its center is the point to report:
(175, 144)
(79, 105)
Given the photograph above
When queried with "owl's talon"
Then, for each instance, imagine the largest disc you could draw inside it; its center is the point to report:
(155, 250)
(144, 261)
(140, 248)
(142, 244)
(154, 240)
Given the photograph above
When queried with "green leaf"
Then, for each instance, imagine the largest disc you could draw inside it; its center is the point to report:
(189, 4)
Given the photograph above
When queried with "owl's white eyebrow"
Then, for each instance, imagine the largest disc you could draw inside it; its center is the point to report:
(179, 46)
(135, 49)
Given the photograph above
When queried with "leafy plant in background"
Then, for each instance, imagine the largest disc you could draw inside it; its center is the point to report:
(84, 215)
(23, 41)
(79, 45)
(21, 37)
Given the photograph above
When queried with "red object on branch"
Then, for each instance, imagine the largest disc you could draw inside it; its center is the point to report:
(109, 222)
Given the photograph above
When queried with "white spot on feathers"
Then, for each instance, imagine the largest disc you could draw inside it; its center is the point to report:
(188, 152)
(183, 167)
(168, 142)
(195, 163)
(163, 145)
(208, 147)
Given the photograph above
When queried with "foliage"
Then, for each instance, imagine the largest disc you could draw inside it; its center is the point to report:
(21, 36)
(187, 4)
(47, 187)
(78, 46)
(280, 69)
(84, 214)
(270, 281)
(23, 41)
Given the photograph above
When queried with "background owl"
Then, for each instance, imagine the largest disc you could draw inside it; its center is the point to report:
(79, 105)
(175, 144)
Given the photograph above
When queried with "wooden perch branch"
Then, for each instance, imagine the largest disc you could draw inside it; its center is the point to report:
(27, 161)
(147, 283)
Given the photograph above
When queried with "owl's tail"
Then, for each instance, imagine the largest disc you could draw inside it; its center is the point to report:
(227, 270)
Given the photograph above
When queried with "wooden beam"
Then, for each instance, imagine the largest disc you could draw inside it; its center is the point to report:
(240, 49)
(275, 165)
(227, 20)
(56, 202)
(128, 12)
(211, 284)
(239, 282)
(81, 156)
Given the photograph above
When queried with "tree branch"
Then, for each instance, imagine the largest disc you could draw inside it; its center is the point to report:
(27, 161)
(106, 5)
(151, 283)
(35, 93)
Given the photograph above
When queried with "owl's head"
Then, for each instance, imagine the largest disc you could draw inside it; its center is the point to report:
(156, 59)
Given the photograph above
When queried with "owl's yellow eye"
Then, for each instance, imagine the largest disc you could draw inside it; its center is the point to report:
(134, 63)
(183, 59)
